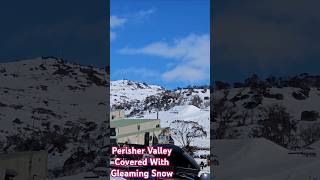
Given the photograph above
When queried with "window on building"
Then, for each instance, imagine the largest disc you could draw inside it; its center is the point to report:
(112, 132)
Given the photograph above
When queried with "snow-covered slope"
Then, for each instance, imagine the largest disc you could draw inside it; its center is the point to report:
(137, 98)
(261, 159)
(26, 87)
(46, 103)
(242, 108)
(126, 91)
(186, 113)
(284, 110)
(84, 176)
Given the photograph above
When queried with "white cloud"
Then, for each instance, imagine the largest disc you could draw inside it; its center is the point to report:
(136, 71)
(184, 73)
(115, 22)
(143, 14)
(192, 54)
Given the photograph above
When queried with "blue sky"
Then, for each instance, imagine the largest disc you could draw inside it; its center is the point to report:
(160, 42)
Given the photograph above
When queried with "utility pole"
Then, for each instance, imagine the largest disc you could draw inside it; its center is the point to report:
(157, 113)
(158, 104)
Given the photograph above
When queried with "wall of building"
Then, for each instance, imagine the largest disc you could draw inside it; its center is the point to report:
(28, 165)
(116, 114)
(135, 127)
(139, 138)
(135, 133)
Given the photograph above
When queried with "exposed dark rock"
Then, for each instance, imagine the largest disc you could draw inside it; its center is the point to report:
(309, 115)
(277, 96)
(92, 77)
(3, 70)
(46, 112)
(17, 121)
(221, 85)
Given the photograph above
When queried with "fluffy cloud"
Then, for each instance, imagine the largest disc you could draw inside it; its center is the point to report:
(144, 14)
(185, 73)
(136, 71)
(114, 23)
(191, 55)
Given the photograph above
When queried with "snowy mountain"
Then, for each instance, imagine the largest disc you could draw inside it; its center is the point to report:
(130, 92)
(246, 103)
(137, 98)
(246, 108)
(47, 103)
(268, 125)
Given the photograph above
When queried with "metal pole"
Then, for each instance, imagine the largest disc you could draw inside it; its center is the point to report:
(158, 108)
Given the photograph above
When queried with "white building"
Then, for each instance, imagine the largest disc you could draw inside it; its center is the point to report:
(116, 114)
(24, 165)
(133, 131)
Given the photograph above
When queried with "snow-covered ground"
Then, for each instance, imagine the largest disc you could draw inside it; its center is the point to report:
(85, 176)
(39, 101)
(237, 102)
(131, 91)
(260, 159)
(187, 113)
(27, 86)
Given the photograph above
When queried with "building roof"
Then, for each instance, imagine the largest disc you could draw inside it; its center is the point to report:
(127, 122)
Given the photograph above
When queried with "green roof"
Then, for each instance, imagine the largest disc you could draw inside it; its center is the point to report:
(127, 122)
